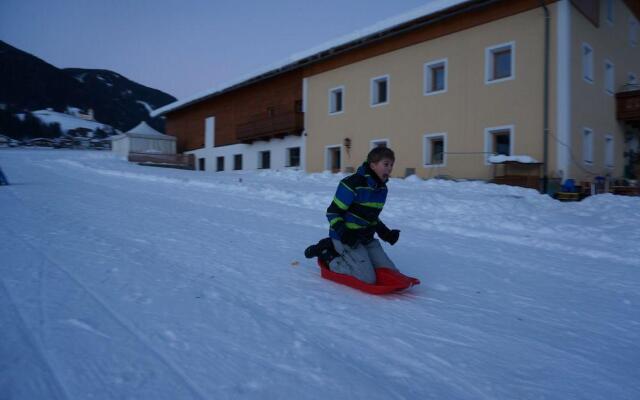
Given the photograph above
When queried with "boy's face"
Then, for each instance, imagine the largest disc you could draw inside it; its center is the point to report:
(382, 168)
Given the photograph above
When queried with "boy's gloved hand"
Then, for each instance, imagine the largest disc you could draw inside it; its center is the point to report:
(391, 236)
(350, 237)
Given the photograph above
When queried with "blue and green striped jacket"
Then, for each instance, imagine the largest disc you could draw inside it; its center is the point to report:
(357, 205)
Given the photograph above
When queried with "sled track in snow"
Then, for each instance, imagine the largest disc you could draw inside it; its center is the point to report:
(33, 342)
(197, 393)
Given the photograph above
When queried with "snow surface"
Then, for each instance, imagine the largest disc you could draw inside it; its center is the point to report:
(497, 159)
(126, 282)
(432, 7)
(66, 121)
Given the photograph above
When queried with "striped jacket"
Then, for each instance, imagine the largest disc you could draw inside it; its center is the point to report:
(357, 205)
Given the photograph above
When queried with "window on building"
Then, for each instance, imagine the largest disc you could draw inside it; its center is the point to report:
(500, 62)
(587, 146)
(633, 31)
(608, 151)
(587, 63)
(609, 10)
(293, 157)
(380, 90)
(609, 77)
(502, 143)
(237, 162)
(264, 159)
(201, 164)
(498, 141)
(435, 77)
(336, 100)
(219, 164)
(434, 149)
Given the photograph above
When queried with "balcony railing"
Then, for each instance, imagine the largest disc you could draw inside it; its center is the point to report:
(628, 104)
(278, 124)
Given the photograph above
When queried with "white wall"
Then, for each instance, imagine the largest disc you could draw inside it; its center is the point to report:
(250, 154)
(209, 132)
(120, 146)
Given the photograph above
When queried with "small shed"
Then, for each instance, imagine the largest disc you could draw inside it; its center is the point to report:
(522, 171)
(143, 139)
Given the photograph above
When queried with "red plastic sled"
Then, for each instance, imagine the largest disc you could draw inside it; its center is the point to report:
(387, 280)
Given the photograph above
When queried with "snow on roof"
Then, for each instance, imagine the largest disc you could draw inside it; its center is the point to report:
(143, 130)
(521, 159)
(423, 11)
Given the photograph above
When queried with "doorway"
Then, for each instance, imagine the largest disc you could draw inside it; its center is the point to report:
(333, 159)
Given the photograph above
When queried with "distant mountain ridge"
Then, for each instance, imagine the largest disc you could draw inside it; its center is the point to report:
(27, 83)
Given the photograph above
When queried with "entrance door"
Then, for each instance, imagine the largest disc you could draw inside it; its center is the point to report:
(334, 159)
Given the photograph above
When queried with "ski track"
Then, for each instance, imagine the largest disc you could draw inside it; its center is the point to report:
(195, 392)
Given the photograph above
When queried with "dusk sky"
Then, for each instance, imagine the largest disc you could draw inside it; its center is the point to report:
(183, 47)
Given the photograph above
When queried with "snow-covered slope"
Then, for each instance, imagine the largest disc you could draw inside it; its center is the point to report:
(121, 281)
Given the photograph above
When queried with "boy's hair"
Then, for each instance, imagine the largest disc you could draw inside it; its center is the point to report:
(380, 153)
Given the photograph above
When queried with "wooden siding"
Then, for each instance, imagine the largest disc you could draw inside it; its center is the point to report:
(628, 106)
(236, 108)
(590, 9)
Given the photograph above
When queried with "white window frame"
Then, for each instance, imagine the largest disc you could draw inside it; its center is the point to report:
(609, 11)
(609, 151)
(488, 62)
(332, 100)
(609, 77)
(287, 156)
(587, 146)
(426, 149)
(488, 136)
(587, 63)
(373, 90)
(374, 142)
(427, 71)
(633, 31)
(327, 152)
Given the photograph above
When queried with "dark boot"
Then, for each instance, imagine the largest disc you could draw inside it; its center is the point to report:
(323, 249)
(311, 251)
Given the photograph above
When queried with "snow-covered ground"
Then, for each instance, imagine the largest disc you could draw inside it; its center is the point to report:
(126, 282)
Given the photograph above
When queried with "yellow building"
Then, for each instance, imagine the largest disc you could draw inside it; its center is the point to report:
(448, 90)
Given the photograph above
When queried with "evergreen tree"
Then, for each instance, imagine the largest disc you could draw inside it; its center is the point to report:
(100, 134)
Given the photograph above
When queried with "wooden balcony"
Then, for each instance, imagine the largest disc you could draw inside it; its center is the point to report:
(265, 126)
(628, 105)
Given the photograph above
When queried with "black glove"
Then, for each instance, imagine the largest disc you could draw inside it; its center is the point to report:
(391, 236)
(350, 237)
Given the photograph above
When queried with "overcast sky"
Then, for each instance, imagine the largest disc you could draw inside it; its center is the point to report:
(183, 47)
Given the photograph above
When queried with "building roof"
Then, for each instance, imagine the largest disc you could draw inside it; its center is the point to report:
(144, 131)
(378, 31)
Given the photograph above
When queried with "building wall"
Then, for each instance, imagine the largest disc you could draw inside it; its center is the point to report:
(232, 109)
(121, 146)
(463, 112)
(592, 107)
(250, 154)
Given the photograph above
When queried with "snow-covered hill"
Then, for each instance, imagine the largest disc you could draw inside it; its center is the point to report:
(122, 281)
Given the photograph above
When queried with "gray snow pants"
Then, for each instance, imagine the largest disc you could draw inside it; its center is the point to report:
(360, 261)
